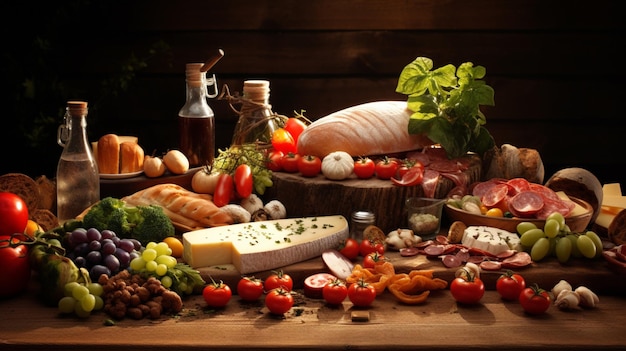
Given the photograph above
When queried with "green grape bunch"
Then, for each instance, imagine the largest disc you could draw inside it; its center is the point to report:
(81, 299)
(251, 154)
(557, 240)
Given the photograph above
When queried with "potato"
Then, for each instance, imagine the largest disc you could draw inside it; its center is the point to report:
(176, 162)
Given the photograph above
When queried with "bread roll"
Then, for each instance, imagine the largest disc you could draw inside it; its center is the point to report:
(510, 162)
(374, 128)
(109, 154)
(131, 157)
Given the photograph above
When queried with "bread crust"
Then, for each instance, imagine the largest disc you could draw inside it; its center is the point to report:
(109, 154)
(131, 157)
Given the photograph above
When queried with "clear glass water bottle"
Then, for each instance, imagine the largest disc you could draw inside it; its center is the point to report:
(196, 120)
(77, 178)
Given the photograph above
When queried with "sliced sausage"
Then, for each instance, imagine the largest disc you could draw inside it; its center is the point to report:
(526, 204)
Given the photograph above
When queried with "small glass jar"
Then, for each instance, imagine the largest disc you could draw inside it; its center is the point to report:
(359, 221)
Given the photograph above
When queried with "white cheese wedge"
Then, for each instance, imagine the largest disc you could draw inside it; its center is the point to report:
(490, 239)
(266, 245)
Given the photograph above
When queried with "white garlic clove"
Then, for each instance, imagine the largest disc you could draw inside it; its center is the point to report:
(560, 286)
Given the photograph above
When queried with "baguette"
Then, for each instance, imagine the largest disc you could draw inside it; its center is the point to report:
(374, 128)
(109, 154)
(131, 157)
(182, 206)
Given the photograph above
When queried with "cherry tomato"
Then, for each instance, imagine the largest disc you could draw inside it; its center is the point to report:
(372, 259)
(250, 288)
(361, 293)
(386, 168)
(14, 266)
(295, 127)
(534, 300)
(13, 214)
(411, 177)
(509, 285)
(335, 291)
(279, 301)
(349, 248)
(283, 141)
(468, 290)
(217, 294)
(290, 162)
(364, 168)
(367, 246)
(274, 161)
(278, 279)
(314, 284)
(407, 165)
(309, 165)
(243, 180)
(223, 190)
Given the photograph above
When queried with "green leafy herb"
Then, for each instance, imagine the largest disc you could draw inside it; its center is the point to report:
(446, 105)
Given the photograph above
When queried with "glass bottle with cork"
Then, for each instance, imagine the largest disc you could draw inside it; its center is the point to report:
(77, 177)
(196, 120)
(257, 122)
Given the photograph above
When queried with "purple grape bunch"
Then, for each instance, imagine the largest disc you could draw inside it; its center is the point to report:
(101, 252)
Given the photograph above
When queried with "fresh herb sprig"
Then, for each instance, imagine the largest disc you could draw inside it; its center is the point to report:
(446, 105)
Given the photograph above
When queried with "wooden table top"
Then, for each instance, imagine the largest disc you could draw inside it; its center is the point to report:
(439, 324)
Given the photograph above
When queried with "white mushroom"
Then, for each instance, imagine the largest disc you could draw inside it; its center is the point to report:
(560, 286)
(587, 297)
(237, 212)
(275, 210)
(252, 203)
(567, 300)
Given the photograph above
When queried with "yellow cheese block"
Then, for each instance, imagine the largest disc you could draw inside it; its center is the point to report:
(612, 203)
(266, 245)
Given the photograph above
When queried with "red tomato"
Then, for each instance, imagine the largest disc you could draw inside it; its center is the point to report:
(295, 127)
(274, 161)
(467, 291)
(223, 190)
(314, 284)
(411, 177)
(406, 165)
(372, 259)
(278, 279)
(250, 288)
(361, 293)
(367, 246)
(290, 162)
(243, 180)
(309, 165)
(13, 214)
(509, 285)
(386, 168)
(349, 248)
(279, 301)
(364, 168)
(216, 294)
(534, 300)
(283, 141)
(14, 267)
(335, 291)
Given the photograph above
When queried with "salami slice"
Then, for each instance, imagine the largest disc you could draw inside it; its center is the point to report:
(520, 259)
(458, 178)
(544, 191)
(419, 156)
(495, 196)
(519, 185)
(430, 182)
(526, 204)
(555, 205)
(480, 189)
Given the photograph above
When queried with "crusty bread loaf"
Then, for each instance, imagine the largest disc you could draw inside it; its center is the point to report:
(45, 218)
(510, 162)
(109, 154)
(374, 128)
(131, 157)
(183, 207)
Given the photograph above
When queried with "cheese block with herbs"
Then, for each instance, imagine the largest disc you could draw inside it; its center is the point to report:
(490, 239)
(264, 245)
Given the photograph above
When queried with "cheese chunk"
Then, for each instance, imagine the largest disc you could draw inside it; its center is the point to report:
(490, 239)
(260, 246)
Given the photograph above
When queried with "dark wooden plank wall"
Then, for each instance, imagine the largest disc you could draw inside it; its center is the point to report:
(555, 65)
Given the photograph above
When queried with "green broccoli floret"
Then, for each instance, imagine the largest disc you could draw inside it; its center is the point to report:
(144, 223)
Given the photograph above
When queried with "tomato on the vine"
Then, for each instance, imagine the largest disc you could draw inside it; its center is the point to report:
(216, 294)
(283, 141)
(509, 285)
(372, 259)
(13, 214)
(243, 180)
(335, 291)
(534, 300)
(290, 162)
(15, 269)
(361, 293)
(386, 168)
(467, 290)
(274, 161)
(278, 279)
(224, 190)
(367, 246)
(349, 248)
(279, 301)
(309, 165)
(411, 177)
(295, 127)
(250, 288)
(364, 168)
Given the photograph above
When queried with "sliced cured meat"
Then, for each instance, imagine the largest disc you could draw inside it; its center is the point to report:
(490, 265)
(496, 196)
(445, 166)
(419, 156)
(430, 182)
(459, 190)
(526, 204)
(520, 259)
(451, 261)
(481, 188)
(458, 178)
(409, 251)
(545, 191)
(555, 205)
(519, 185)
